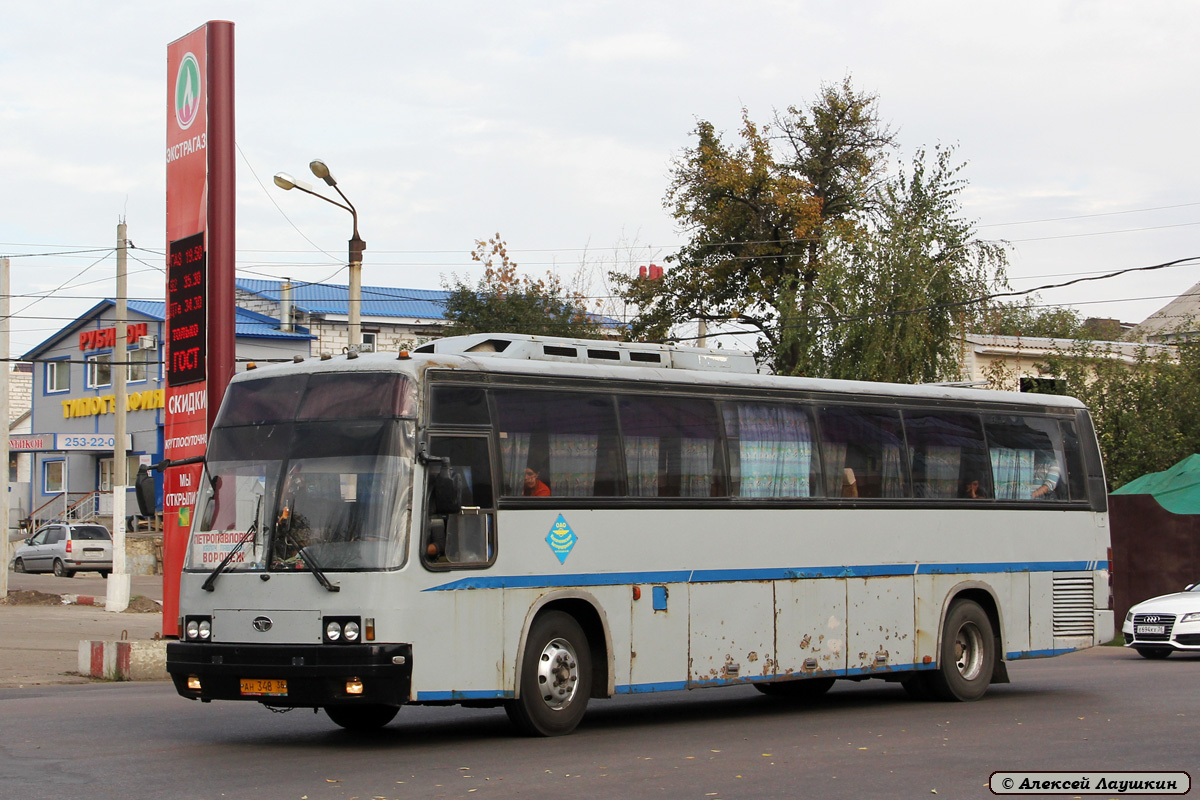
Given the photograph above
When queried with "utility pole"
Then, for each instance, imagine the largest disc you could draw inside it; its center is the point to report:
(118, 579)
(4, 383)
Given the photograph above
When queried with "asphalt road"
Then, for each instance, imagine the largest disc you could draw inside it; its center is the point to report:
(1104, 709)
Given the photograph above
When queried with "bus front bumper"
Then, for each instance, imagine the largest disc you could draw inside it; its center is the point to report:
(303, 676)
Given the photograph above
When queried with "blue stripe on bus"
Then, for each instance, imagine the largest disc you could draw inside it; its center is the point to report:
(489, 694)
(483, 581)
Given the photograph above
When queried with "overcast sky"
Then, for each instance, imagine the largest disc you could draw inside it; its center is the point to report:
(555, 125)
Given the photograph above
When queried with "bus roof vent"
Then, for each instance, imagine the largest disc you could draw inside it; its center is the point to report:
(593, 351)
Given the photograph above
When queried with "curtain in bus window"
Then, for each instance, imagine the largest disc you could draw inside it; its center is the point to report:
(696, 467)
(861, 448)
(573, 464)
(1012, 472)
(641, 465)
(773, 448)
(514, 455)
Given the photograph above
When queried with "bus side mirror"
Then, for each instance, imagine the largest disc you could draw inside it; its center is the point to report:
(144, 489)
(445, 496)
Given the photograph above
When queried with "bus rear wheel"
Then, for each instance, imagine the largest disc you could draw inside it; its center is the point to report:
(968, 654)
(362, 718)
(555, 679)
(796, 690)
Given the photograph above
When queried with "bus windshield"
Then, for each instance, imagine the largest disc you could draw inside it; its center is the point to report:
(290, 495)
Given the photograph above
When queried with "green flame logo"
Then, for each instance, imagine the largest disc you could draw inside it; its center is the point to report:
(187, 91)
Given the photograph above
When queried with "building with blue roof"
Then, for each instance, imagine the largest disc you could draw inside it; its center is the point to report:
(391, 318)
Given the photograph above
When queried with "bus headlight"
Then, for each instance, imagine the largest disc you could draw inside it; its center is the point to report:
(197, 628)
(342, 630)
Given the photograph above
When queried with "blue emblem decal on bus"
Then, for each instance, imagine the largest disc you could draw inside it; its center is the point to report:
(561, 539)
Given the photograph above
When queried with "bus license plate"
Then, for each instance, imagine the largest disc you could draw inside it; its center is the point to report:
(1151, 628)
(264, 687)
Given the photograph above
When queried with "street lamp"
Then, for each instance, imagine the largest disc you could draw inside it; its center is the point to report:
(357, 245)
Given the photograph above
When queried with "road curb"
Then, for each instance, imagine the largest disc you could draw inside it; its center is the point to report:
(123, 661)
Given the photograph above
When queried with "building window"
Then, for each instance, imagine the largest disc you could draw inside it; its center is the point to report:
(137, 370)
(58, 376)
(106, 472)
(53, 477)
(13, 463)
(369, 340)
(99, 371)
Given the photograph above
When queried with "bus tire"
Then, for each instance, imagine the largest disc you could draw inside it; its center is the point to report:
(796, 690)
(362, 718)
(967, 654)
(555, 678)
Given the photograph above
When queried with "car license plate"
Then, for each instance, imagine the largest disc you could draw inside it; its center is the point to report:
(1151, 629)
(93, 555)
(264, 687)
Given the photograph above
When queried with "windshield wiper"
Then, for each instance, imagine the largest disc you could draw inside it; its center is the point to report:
(212, 576)
(307, 560)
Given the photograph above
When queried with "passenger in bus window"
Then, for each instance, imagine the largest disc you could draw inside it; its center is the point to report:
(973, 489)
(534, 487)
(1045, 475)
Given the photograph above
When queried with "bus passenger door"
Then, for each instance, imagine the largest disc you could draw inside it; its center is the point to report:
(810, 626)
(732, 633)
(460, 539)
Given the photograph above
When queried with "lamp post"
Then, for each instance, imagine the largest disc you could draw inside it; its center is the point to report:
(357, 245)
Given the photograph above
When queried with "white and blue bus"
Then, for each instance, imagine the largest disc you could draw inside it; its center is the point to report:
(526, 522)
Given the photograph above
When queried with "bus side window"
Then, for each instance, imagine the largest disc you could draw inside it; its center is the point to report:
(947, 455)
(861, 449)
(1027, 457)
(672, 447)
(771, 450)
(568, 438)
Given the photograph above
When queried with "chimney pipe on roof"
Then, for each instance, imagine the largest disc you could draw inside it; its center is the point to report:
(285, 305)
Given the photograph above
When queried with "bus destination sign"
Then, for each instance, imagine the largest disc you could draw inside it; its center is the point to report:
(187, 333)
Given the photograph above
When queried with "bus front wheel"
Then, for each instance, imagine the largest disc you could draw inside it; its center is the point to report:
(967, 654)
(362, 718)
(555, 679)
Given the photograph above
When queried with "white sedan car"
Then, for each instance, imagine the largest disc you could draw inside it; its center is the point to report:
(1162, 625)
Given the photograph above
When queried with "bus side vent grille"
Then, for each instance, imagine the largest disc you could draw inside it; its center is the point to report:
(1073, 605)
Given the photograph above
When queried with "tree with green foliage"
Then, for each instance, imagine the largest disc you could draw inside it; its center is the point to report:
(504, 302)
(799, 232)
(1027, 318)
(1146, 414)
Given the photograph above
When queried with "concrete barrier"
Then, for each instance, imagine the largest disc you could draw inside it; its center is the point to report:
(124, 661)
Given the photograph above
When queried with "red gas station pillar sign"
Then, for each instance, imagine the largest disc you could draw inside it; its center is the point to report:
(200, 274)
